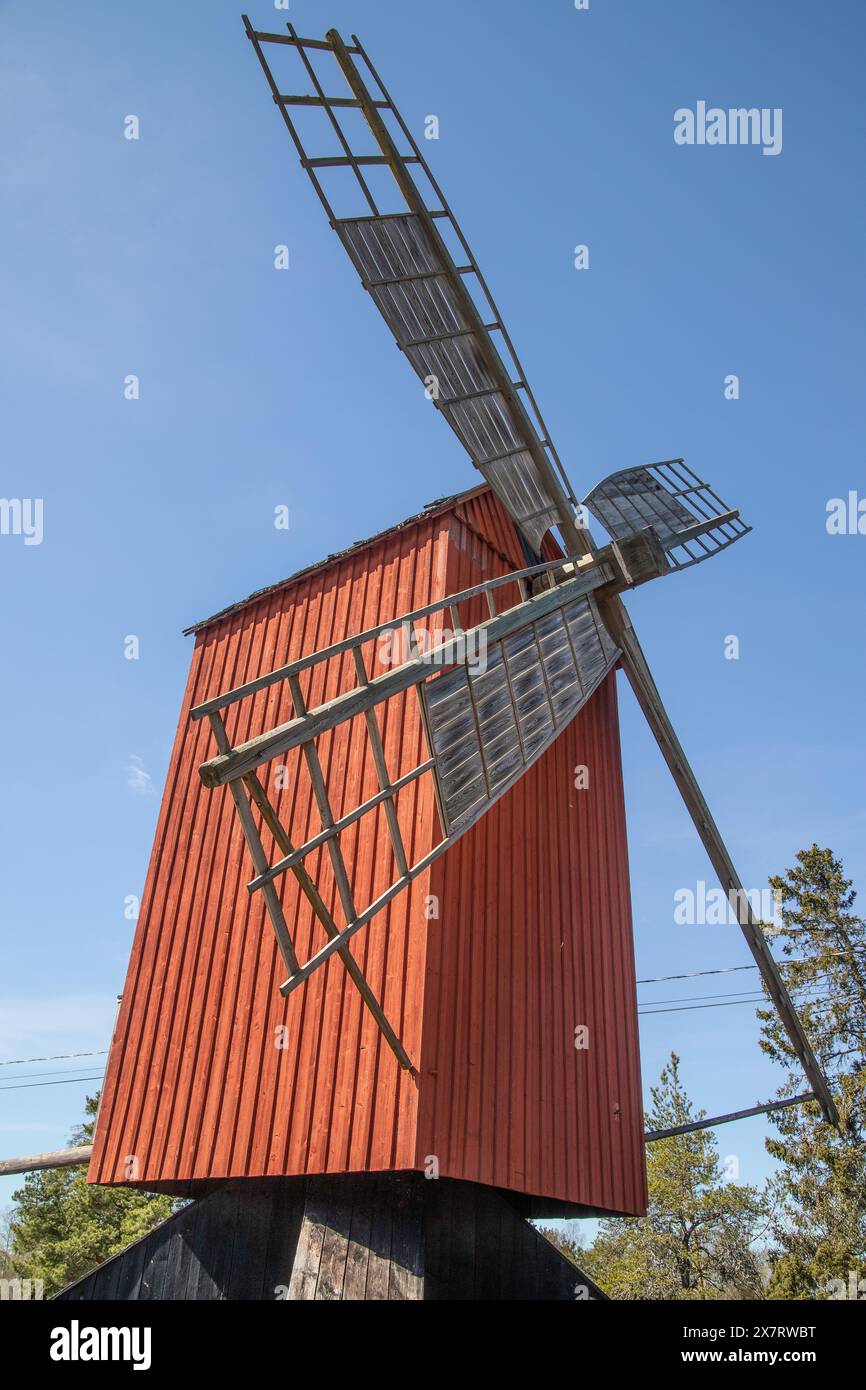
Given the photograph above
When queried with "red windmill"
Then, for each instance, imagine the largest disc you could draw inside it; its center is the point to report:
(406, 760)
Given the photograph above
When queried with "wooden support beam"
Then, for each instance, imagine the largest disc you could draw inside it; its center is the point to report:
(338, 161)
(385, 787)
(322, 101)
(264, 37)
(61, 1158)
(358, 639)
(653, 1135)
(228, 767)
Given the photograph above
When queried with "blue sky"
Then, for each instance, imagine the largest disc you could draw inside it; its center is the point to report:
(155, 257)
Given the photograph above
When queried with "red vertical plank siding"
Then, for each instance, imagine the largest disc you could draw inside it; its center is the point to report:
(533, 937)
(196, 1086)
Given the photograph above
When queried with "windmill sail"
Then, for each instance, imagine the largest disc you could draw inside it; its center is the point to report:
(487, 727)
(690, 520)
(429, 302)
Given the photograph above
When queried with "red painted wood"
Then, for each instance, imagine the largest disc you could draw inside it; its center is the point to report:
(533, 937)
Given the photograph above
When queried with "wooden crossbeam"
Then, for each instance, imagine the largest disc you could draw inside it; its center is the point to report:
(227, 767)
(262, 37)
(291, 100)
(385, 788)
(411, 279)
(360, 639)
(336, 161)
(381, 797)
(652, 1136)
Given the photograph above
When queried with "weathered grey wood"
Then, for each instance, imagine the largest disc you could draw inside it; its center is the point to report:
(255, 847)
(290, 100)
(131, 1265)
(298, 854)
(358, 1252)
(153, 1269)
(488, 728)
(34, 1163)
(350, 1237)
(249, 1251)
(214, 1236)
(287, 1215)
(379, 762)
(335, 1248)
(308, 1256)
(264, 37)
(652, 1136)
(680, 507)
(326, 815)
(381, 1226)
(370, 634)
(406, 1282)
(522, 426)
(260, 863)
(248, 756)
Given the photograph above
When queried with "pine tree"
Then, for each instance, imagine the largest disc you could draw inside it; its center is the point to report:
(820, 1190)
(697, 1240)
(62, 1227)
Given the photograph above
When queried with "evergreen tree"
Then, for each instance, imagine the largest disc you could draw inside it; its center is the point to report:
(820, 1190)
(697, 1240)
(63, 1227)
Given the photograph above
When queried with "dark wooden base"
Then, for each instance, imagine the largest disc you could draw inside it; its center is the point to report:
(349, 1236)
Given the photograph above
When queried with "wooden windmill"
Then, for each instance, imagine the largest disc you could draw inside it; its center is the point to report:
(390, 740)
(546, 654)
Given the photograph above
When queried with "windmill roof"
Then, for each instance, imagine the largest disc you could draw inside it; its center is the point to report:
(441, 504)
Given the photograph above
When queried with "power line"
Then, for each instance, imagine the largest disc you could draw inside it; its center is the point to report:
(687, 1008)
(692, 975)
(726, 970)
(688, 998)
(26, 1075)
(28, 1085)
(54, 1057)
(755, 994)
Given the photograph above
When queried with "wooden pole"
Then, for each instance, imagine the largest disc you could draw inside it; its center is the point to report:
(653, 1135)
(62, 1158)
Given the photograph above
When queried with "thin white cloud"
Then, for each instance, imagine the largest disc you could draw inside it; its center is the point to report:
(138, 779)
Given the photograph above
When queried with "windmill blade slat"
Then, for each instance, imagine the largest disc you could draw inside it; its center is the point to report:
(487, 729)
(413, 290)
(691, 522)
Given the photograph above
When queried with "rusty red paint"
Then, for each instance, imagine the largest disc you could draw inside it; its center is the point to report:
(533, 938)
